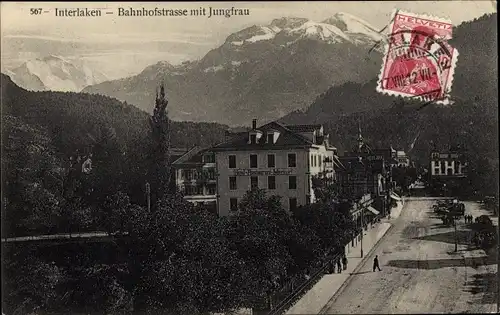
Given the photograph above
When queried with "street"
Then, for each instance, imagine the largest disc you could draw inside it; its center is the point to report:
(420, 271)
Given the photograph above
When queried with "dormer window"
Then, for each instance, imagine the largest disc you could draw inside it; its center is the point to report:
(253, 139)
(270, 138)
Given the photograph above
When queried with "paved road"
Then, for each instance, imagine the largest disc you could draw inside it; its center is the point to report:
(420, 271)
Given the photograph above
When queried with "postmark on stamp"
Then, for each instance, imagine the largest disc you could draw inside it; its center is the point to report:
(419, 62)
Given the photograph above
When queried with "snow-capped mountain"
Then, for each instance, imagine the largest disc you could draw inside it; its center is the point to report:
(55, 73)
(263, 71)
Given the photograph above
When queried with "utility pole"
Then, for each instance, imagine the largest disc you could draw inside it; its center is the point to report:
(362, 230)
(454, 209)
(456, 242)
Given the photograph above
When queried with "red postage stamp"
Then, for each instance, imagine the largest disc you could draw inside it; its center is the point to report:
(418, 62)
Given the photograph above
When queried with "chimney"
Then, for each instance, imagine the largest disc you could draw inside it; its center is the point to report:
(254, 124)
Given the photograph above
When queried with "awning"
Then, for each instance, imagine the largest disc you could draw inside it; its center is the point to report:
(373, 210)
(394, 196)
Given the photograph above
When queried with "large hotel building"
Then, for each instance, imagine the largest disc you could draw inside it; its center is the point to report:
(282, 159)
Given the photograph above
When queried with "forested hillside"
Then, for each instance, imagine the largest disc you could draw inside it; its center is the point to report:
(45, 134)
(471, 121)
(475, 78)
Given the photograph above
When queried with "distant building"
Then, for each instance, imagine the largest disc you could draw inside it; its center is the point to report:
(367, 172)
(450, 164)
(402, 159)
(278, 158)
(448, 171)
(195, 176)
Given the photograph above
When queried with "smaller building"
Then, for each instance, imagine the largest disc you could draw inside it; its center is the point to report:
(196, 177)
(448, 172)
(448, 164)
(402, 159)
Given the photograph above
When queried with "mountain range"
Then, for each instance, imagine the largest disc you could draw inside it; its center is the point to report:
(471, 121)
(54, 73)
(263, 71)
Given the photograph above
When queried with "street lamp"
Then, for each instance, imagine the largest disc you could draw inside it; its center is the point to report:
(362, 231)
(455, 205)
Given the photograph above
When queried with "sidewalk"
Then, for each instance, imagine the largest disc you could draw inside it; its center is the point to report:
(316, 298)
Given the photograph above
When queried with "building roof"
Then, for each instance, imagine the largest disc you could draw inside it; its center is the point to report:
(288, 137)
(192, 156)
(304, 128)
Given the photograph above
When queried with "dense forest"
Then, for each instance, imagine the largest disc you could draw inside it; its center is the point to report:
(46, 133)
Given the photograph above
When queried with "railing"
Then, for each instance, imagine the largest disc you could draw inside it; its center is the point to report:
(295, 289)
(95, 234)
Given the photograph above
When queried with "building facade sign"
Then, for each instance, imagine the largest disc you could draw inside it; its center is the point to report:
(250, 172)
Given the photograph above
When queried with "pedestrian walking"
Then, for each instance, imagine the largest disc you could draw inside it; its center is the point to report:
(339, 266)
(375, 264)
(344, 262)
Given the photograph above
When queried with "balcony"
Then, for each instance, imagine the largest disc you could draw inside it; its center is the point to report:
(200, 198)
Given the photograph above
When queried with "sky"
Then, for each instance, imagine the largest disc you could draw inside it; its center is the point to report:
(124, 45)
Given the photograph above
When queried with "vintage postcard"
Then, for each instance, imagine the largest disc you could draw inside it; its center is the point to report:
(192, 158)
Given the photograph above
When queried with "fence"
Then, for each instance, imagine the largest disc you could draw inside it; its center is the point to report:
(296, 288)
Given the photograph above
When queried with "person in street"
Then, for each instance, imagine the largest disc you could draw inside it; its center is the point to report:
(344, 262)
(375, 264)
(339, 266)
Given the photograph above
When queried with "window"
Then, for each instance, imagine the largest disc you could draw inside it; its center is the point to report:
(199, 189)
(211, 190)
(233, 204)
(210, 173)
(319, 159)
(315, 161)
(254, 182)
(253, 160)
(293, 204)
(443, 168)
(292, 182)
(292, 160)
(232, 183)
(232, 161)
(253, 139)
(270, 138)
(209, 158)
(312, 160)
(271, 182)
(271, 162)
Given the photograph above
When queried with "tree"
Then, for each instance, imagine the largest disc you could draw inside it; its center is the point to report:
(263, 233)
(182, 262)
(29, 284)
(325, 189)
(160, 174)
(331, 221)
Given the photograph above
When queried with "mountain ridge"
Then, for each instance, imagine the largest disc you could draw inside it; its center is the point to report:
(262, 71)
(55, 73)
